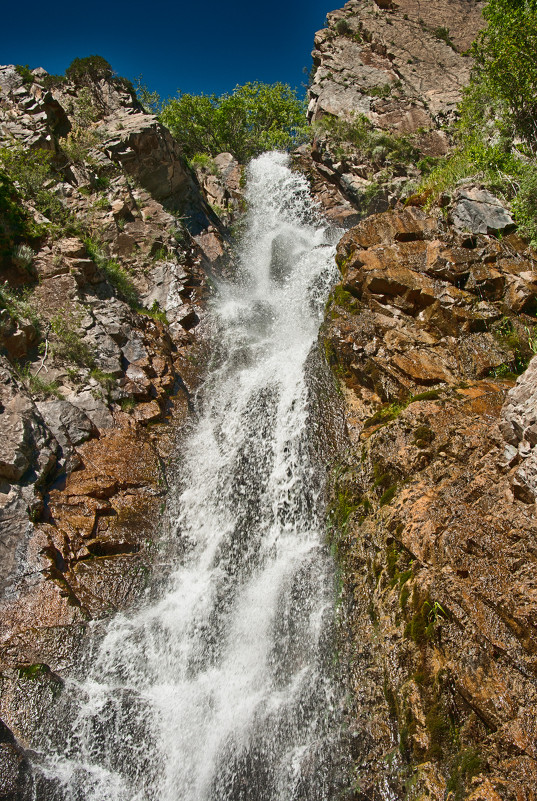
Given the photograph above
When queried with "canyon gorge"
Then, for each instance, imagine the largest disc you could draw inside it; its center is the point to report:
(268, 462)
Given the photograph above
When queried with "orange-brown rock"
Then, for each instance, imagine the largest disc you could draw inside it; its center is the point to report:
(437, 538)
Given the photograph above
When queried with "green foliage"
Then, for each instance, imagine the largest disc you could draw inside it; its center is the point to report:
(386, 413)
(127, 404)
(443, 34)
(107, 380)
(37, 384)
(381, 91)
(155, 312)
(342, 27)
(78, 143)
(505, 67)
(53, 81)
(151, 101)
(67, 343)
(32, 671)
(115, 274)
(341, 510)
(205, 162)
(423, 623)
(85, 70)
(388, 495)
(467, 764)
(31, 172)
(17, 303)
(524, 205)
(16, 224)
(252, 119)
(25, 73)
(497, 132)
(378, 147)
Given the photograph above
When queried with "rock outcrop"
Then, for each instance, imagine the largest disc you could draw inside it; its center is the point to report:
(102, 300)
(386, 81)
(433, 509)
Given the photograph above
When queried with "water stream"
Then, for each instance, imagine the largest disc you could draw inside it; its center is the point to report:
(221, 689)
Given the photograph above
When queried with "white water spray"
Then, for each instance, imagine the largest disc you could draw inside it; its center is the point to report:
(219, 691)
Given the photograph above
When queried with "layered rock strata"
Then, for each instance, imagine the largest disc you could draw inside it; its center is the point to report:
(433, 507)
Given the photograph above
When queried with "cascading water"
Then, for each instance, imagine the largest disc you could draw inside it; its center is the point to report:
(219, 690)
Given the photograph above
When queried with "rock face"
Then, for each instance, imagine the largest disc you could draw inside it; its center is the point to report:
(401, 67)
(433, 510)
(99, 353)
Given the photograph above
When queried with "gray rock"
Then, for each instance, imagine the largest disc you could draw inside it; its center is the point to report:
(106, 351)
(134, 349)
(69, 424)
(167, 281)
(97, 411)
(15, 527)
(519, 412)
(479, 212)
(16, 435)
(519, 429)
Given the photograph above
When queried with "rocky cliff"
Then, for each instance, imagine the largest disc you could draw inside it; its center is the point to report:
(432, 512)
(107, 241)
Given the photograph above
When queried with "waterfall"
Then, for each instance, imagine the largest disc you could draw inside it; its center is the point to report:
(220, 690)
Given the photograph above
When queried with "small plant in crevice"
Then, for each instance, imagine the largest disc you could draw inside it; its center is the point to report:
(467, 764)
(31, 175)
(107, 380)
(67, 343)
(115, 274)
(155, 312)
(381, 91)
(19, 304)
(127, 404)
(427, 616)
(37, 384)
(443, 35)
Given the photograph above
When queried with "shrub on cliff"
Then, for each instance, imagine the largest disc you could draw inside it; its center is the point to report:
(497, 130)
(31, 174)
(91, 68)
(379, 147)
(504, 77)
(250, 120)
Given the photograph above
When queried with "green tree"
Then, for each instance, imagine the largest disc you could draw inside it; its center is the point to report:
(246, 122)
(504, 77)
(87, 70)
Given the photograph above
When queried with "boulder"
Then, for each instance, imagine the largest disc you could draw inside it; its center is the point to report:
(479, 212)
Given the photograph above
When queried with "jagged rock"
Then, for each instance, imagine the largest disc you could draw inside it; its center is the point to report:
(442, 505)
(519, 428)
(392, 63)
(69, 424)
(479, 212)
(94, 408)
(147, 151)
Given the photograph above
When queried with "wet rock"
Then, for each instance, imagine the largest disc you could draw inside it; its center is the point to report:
(15, 781)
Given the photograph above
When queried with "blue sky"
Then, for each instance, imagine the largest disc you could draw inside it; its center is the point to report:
(196, 47)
